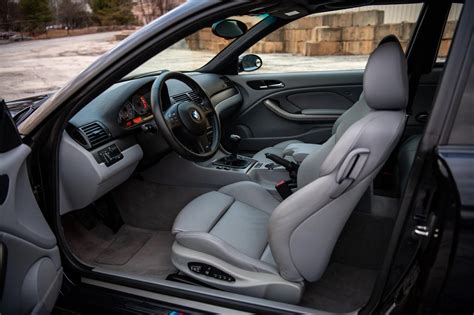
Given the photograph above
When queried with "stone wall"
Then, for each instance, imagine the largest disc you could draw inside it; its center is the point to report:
(356, 33)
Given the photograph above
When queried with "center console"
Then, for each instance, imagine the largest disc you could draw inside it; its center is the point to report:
(233, 161)
(223, 169)
(266, 174)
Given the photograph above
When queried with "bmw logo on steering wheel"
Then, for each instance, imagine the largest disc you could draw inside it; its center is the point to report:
(196, 115)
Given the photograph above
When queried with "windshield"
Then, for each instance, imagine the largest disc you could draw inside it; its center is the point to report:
(37, 60)
(192, 52)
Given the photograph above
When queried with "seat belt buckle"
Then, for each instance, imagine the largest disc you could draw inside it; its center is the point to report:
(283, 188)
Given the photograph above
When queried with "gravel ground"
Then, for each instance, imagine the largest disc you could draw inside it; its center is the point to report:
(35, 67)
(42, 66)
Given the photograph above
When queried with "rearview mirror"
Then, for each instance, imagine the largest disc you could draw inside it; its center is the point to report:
(249, 63)
(229, 29)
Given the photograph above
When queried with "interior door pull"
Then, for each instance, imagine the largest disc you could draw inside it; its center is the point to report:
(274, 106)
(276, 85)
(265, 84)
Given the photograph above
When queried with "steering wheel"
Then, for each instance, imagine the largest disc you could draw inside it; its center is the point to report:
(190, 127)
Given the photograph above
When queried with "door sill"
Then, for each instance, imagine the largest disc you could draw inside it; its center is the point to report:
(207, 298)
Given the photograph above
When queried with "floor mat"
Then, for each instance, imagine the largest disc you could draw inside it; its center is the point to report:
(342, 288)
(126, 244)
(154, 258)
(152, 206)
(363, 241)
(131, 250)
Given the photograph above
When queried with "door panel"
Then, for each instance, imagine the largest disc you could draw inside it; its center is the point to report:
(320, 100)
(30, 257)
(303, 106)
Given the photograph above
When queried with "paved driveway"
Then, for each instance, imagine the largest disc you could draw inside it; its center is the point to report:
(35, 67)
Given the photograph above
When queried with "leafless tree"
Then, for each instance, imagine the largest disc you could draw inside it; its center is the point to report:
(71, 13)
(151, 9)
(9, 13)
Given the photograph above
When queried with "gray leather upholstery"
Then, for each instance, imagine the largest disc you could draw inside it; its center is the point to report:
(302, 240)
(230, 224)
(385, 86)
(292, 150)
(309, 170)
(237, 223)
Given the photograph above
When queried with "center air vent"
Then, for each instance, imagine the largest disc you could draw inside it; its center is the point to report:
(195, 97)
(191, 96)
(92, 135)
(181, 97)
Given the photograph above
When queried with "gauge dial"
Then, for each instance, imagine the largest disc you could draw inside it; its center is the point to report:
(140, 105)
(127, 112)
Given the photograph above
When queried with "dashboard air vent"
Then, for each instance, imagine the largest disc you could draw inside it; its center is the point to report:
(228, 82)
(181, 97)
(94, 134)
(195, 97)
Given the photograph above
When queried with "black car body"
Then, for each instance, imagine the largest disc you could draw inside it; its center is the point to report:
(426, 263)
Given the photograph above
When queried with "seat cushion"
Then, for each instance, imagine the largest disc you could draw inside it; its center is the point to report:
(292, 150)
(230, 224)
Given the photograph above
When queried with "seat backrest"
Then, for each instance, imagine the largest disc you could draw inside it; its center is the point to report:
(304, 228)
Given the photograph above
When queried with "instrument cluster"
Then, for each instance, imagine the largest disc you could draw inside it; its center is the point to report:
(135, 111)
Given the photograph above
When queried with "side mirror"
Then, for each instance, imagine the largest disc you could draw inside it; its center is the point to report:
(249, 63)
(229, 28)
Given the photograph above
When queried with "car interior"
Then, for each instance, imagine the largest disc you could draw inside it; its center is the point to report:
(281, 186)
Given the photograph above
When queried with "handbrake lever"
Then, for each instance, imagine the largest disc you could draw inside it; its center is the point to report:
(291, 167)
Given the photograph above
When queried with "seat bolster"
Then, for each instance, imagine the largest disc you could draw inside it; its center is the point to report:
(251, 194)
(277, 149)
(201, 214)
(209, 244)
(299, 151)
(284, 144)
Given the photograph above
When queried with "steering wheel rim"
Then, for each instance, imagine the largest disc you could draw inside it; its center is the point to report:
(185, 120)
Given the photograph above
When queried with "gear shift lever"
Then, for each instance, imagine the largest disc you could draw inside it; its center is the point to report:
(233, 160)
(234, 145)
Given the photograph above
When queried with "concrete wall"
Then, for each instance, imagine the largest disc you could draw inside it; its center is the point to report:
(350, 33)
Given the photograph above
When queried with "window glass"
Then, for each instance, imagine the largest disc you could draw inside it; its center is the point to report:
(338, 40)
(448, 33)
(192, 52)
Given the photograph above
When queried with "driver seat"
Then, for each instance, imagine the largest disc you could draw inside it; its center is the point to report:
(243, 239)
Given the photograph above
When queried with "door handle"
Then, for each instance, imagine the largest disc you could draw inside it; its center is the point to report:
(276, 85)
(273, 106)
(265, 84)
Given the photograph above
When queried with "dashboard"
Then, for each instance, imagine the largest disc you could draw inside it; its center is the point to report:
(104, 142)
(126, 105)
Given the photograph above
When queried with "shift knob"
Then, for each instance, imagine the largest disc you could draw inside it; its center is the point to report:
(234, 144)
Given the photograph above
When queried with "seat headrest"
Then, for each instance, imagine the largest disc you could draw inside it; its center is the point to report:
(386, 76)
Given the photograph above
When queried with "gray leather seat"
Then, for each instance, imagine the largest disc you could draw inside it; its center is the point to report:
(293, 150)
(297, 151)
(248, 241)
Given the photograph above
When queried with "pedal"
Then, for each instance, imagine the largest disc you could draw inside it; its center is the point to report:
(86, 218)
(109, 213)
